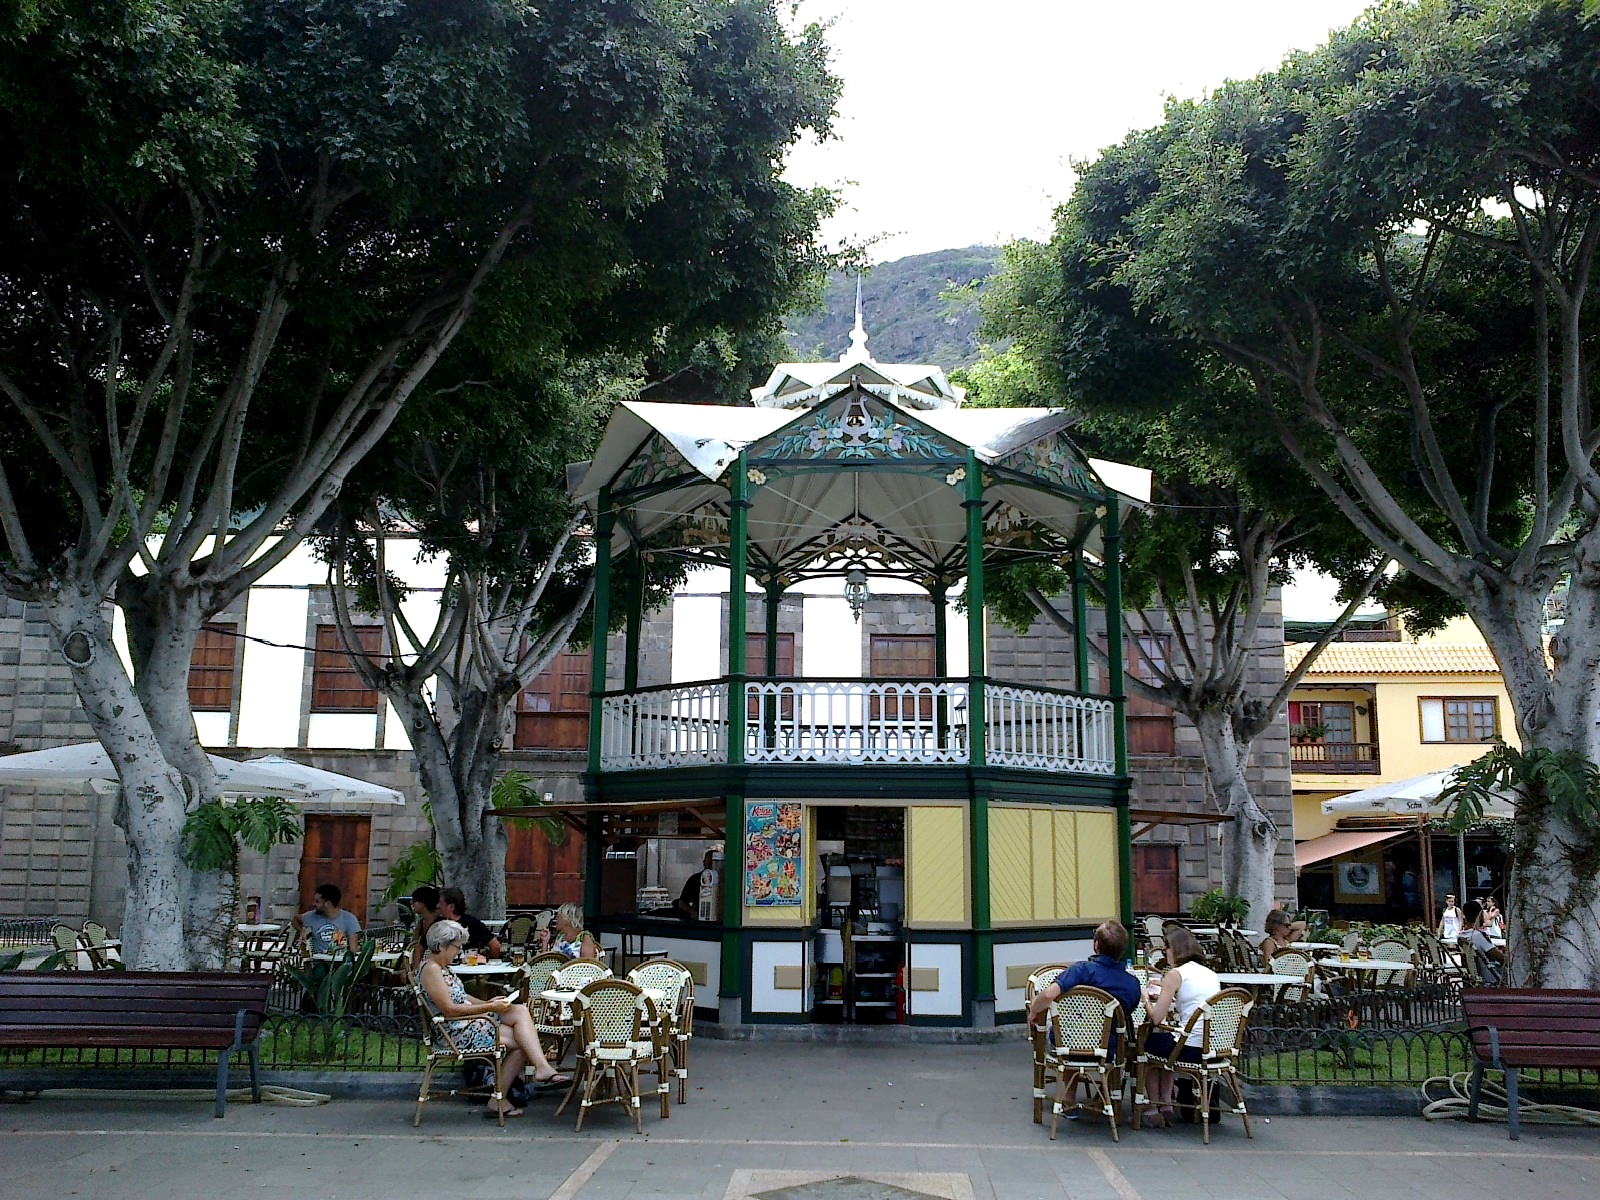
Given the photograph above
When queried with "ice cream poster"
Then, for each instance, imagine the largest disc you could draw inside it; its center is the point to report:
(773, 865)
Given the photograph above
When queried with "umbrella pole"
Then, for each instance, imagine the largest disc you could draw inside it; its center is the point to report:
(1461, 865)
(1425, 860)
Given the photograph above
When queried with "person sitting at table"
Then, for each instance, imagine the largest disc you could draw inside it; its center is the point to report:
(1106, 969)
(453, 907)
(568, 936)
(1491, 958)
(1450, 921)
(1188, 984)
(479, 1024)
(325, 925)
(425, 904)
(1281, 930)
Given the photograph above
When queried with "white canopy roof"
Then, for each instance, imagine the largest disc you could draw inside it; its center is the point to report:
(87, 762)
(859, 476)
(1418, 796)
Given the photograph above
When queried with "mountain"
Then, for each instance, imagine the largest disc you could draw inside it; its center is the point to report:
(908, 319)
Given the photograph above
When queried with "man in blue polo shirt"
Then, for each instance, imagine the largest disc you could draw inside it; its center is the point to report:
(1106, 969)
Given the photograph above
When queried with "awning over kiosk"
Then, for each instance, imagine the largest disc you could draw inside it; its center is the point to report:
(1331, 845)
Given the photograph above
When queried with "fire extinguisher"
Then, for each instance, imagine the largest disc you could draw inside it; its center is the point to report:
(900, 995)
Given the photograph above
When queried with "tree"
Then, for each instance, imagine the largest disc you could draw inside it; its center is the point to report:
(1199, 565)
(1387, 244)
(240, 235)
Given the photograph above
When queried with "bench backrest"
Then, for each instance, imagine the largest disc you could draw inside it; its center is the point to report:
(130, 1008)
(1535, 1027)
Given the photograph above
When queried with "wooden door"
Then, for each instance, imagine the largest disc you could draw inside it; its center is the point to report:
(335, 851)
(1155, 879)
(553, 713)
(539, 872)
(900, 656)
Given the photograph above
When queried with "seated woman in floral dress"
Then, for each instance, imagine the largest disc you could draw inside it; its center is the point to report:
(481, 1024)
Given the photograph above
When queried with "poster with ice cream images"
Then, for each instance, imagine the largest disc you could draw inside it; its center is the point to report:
(773, 866)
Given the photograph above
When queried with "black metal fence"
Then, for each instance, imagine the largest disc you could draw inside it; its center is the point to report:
(26, 931)
(289, 1042)
(1425, 1006)
(1342, 1055)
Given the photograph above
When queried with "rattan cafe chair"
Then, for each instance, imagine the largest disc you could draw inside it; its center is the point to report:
(618, 1033)
(675, 1012)
(1291, 962)
(1221, 1021)
(1087, 1035)
(69, 943)
(442, 1047)
(1041, 978)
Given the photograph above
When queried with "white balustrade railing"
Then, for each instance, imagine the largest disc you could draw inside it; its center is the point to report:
(1047, 730)
(665, 727)
(855, 721)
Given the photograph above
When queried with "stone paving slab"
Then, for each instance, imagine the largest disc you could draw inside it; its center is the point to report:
(760, 1115)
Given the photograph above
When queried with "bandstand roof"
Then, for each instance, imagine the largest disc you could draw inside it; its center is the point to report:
(857, 479)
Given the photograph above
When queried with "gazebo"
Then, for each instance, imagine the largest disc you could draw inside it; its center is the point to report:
(1014, 792)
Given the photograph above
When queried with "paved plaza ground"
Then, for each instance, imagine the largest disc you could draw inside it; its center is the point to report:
(782, 1121)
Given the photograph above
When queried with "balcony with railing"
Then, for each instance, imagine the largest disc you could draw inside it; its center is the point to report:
(1334, 758)
(858, 722)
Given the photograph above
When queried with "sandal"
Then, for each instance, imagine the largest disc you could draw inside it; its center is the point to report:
(490, 1114)
(555, 1079)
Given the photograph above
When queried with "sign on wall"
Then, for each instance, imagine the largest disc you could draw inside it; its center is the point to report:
(774, 867)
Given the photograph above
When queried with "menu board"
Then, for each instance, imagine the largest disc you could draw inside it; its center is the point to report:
(774, 868)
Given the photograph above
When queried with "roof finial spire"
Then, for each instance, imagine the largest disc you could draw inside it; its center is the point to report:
(858, 336)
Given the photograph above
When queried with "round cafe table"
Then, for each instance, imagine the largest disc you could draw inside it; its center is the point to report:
(495, 966)
(1260, 979)
(1364, 964)
(259, 928)
(1334, 947)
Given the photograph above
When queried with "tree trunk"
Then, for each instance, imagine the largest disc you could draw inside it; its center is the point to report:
(1553, 903)
(457, 771)
(153, 804)
(1250, 838)
(164, 623)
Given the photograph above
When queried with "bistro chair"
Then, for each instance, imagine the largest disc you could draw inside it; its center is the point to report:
(675, 1013)
(442, 1048)
(617, 1034)
(578, 974)
(1291, 962)
(1351, 942)
(69, 943)
(1471, 966)
(1138, 1019)
(551, 1018)
(1085, 1025)
(519, 931)
(1390, 950)
(1039, 1035)
(1221, 1021)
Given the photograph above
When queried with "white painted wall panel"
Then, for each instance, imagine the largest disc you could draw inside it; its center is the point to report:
(273, 677)
(1032, 954)
(946, 959)
(764, 997)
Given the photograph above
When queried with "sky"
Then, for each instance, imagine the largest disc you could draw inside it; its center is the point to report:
(961, 119)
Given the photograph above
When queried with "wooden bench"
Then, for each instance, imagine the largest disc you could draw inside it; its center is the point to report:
(1517, 1028)
(138, 1010)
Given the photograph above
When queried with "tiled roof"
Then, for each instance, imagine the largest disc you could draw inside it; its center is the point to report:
(1361, 659)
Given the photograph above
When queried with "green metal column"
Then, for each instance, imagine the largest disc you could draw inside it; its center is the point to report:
(941, 659)
(603, 524)
(1112, 536)
(635, 615)
(732, 978)
(1080, 622)
(983, 941)
(738, 605)
(769, 710)
(594, 858)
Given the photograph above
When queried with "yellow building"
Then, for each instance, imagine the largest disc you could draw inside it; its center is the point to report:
(1379, 709)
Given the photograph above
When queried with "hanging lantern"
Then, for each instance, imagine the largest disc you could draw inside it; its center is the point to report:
(855, 591)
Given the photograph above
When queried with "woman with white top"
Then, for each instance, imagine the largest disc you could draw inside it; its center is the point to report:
(1184, 988)
(1450, 922)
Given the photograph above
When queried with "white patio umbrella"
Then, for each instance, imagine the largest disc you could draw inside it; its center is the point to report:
(88, 762)
(330, 786)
